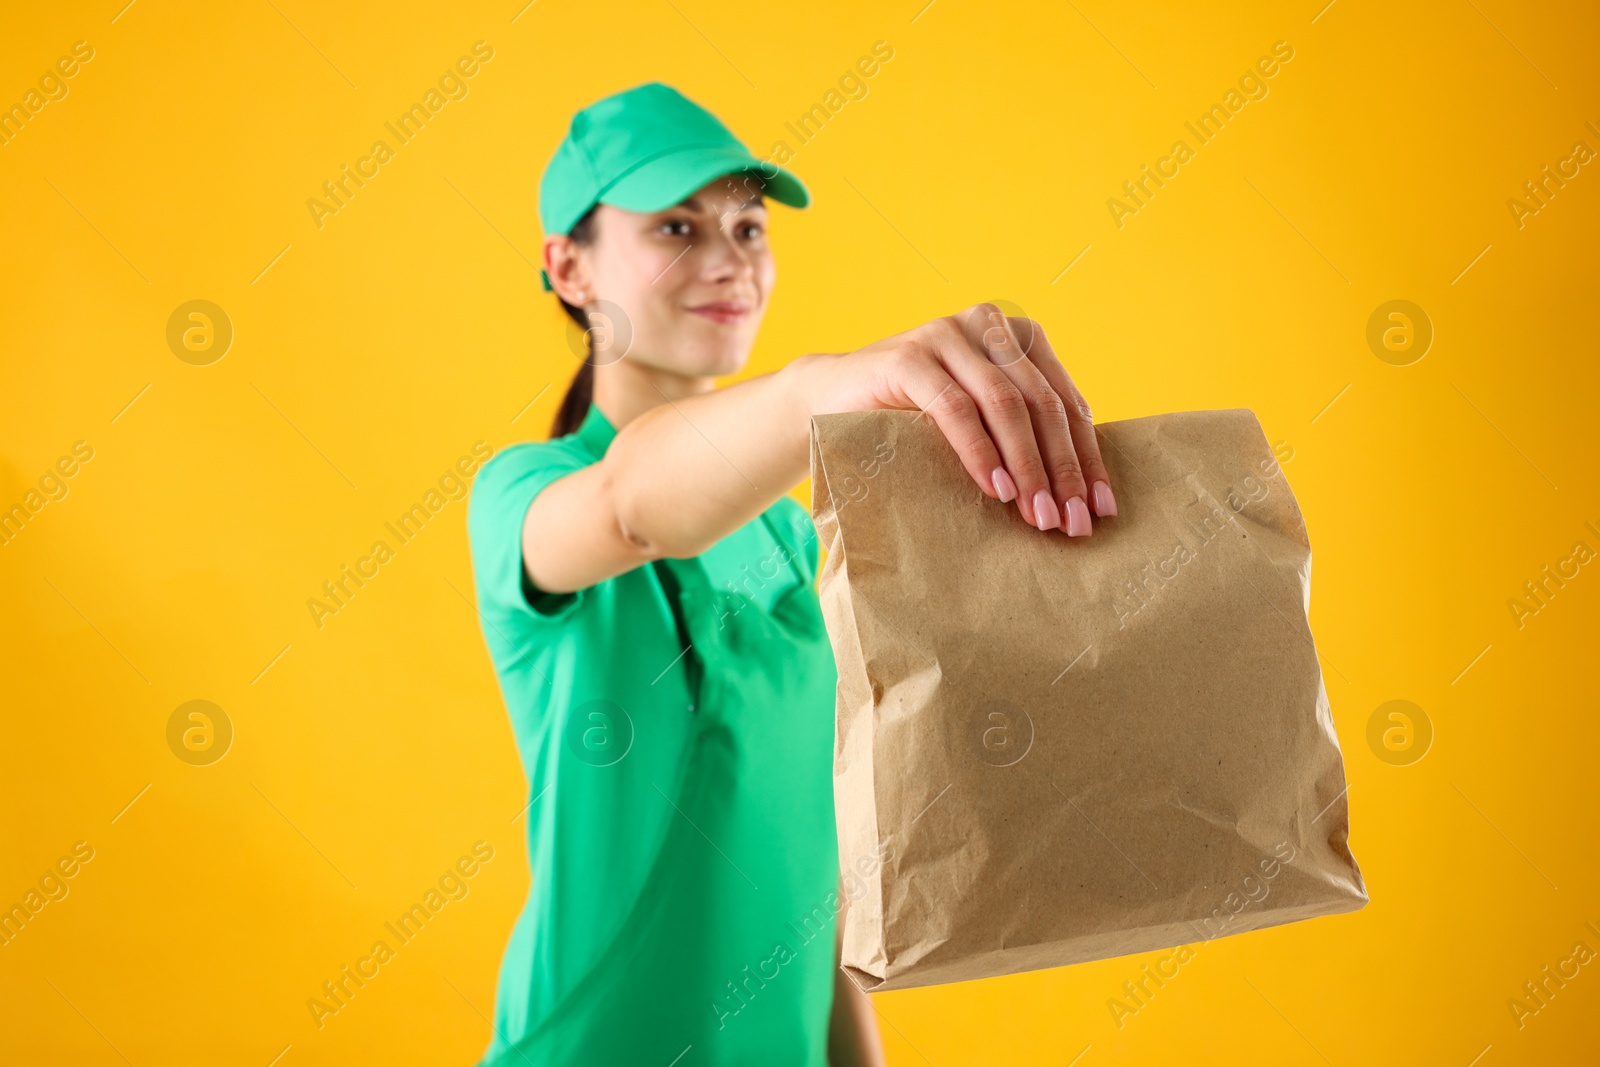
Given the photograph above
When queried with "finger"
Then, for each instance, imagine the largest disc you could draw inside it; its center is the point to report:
(1005, 406)
(940, 398)
(1050, 411)
(1081, 420)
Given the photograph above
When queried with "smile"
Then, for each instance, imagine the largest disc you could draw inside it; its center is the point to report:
(727, 314)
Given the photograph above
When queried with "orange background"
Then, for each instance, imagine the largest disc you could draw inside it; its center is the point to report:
(370, 754)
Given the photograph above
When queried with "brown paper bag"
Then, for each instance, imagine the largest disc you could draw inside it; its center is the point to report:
(1053, 750)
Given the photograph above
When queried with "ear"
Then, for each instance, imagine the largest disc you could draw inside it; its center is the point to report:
(565, 267)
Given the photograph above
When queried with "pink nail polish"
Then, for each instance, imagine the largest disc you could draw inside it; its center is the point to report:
(1004, 485)
(1078, 518)
(1104, 503)
(1044, 510)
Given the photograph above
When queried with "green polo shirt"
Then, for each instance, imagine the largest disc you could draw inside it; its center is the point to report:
(675, 726)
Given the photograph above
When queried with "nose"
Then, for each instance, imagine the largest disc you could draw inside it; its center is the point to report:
(724, 258)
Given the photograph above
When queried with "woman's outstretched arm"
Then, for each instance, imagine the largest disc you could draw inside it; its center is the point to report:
(688, 472)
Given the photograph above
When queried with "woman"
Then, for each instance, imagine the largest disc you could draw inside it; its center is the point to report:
(646, 587)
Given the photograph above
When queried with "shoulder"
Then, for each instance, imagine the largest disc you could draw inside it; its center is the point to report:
(497, 509)
(530, 457)
(505, 489)
(520, 471)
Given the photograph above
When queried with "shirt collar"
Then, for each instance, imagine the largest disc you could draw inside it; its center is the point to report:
(596, 433)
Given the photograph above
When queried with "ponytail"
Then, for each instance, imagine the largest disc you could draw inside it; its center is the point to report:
(575, 405)
(580, 394)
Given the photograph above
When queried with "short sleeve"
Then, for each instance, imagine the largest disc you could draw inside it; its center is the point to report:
(505, 488)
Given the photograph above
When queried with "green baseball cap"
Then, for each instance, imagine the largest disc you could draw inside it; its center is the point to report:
(646, 149)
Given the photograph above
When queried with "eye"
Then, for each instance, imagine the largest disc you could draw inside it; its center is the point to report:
(675, 228)
(753, 230)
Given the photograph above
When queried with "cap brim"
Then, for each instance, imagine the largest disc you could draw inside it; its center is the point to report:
(670, 179)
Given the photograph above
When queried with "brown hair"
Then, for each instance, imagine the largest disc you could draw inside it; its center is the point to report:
(580, 394)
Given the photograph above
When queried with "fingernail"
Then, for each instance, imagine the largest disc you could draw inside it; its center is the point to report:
(1044, 509)
(1004, 485)
(1077, 518)
(1104, 503)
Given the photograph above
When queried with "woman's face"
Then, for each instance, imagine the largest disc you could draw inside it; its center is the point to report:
(693, 280)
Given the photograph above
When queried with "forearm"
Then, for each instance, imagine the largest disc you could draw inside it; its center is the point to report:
(685, 474)
(689, 472)
(852, 1030)
(853, 1039)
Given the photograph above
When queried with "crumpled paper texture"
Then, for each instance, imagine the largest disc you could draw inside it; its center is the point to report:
(1053, 750)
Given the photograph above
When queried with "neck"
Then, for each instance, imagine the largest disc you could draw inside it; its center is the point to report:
(624, 390)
